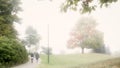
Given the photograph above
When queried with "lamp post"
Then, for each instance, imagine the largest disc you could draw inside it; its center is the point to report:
(48, 46)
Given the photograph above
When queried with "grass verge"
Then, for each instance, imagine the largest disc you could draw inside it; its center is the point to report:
(72, 60)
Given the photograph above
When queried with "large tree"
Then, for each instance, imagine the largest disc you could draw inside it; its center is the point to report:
(85, 35)
(8, 15)
(32, 37)
(11, 50)
(85, 5)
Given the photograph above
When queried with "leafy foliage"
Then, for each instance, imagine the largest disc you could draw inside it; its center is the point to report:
(86, 35)
(32, 37)
(9, 10)
(85, 5)
(101, 49)
(8, 15)
(12, 52)
(1, 66)
(7, 30)
(47, 50)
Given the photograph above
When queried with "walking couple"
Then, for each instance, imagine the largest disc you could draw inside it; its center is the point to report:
(36, 55)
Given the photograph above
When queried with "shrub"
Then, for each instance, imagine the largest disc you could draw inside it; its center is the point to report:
(1, 66)
(101, 49)
(12, 52)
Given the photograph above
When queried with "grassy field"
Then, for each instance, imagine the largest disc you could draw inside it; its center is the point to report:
(72, 61)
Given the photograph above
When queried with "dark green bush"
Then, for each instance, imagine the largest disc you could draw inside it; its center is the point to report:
(12, 52)
(101, 49)
(1, 66)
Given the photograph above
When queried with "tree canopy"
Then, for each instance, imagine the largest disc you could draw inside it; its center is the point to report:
(47, 50)
(11, 50)
(32, 37)
(85, 35)
(8, 15)
(85, 5)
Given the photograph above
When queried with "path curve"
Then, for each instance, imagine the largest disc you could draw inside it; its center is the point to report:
(28, 65)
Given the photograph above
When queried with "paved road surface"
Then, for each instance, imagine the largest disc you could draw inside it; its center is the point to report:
(28, 65)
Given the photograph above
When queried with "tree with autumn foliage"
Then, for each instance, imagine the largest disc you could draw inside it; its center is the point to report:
(85, 35)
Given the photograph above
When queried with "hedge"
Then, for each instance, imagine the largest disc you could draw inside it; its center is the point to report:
(12, 52)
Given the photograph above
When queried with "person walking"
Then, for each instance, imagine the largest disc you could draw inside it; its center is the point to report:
(32, 57)
(37, 56)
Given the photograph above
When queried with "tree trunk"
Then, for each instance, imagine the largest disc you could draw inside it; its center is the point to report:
(82, 50)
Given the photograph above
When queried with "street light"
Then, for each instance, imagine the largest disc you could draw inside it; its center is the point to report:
(48, 46)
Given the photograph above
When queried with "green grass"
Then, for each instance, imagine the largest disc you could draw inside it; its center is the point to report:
(71, 61)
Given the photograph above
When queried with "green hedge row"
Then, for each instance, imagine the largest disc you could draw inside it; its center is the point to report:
(1, 66)
(12, 52)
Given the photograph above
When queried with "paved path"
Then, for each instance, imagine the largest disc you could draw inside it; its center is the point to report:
(28, 65)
